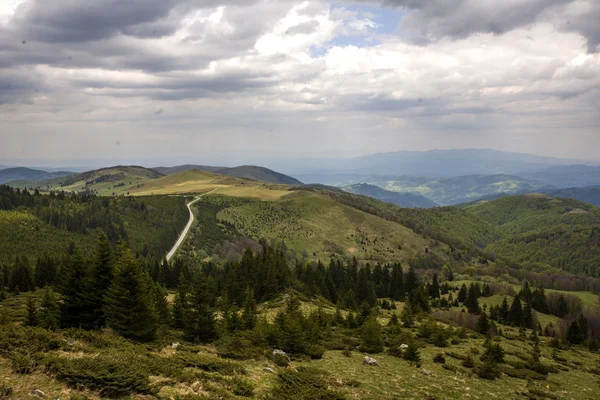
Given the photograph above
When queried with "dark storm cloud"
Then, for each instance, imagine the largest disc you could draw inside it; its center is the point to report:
(430, 20)
(19, 86)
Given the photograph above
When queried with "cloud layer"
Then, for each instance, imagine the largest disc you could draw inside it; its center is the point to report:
(198, 78)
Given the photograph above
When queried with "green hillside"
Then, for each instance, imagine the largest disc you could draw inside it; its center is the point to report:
(460, 189)
(244, 171)
(551, 232)
(408, 200)
(34, 226)
(105, 182)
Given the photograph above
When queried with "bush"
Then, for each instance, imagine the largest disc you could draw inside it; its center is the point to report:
(242, 388)
(347, 353)
(439, 358)
(210, 364)
(468, 362)
(22, 363)
(303, 384)
(280, 360)
(488, 370)
(111, 376)
(315, 352)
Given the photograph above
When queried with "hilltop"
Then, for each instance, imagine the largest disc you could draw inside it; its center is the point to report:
(244, 171)
(105, 181)
(29, 175)
(566, 176)
(409, 200)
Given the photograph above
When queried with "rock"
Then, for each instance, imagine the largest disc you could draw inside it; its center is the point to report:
(426, 372)
(281, 353)
(175, 345)
(370, 361)
(267, 369)
(37, 393)
(404, 346)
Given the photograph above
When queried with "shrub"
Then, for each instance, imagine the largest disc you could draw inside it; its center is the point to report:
(280, 360)
(315, 352)
(210, 364)
(22, 363)
(347, 353)
(242, 388)
(468, 362)
(111, 376)
(439, 358)
(488, 370)
(303, 384)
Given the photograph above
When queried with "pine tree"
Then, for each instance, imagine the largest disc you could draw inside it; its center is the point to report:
(74, 290)
(538, 301)
(32, 314)
(159, 298)
(583, 327)
(249, 313)
(462, 294)
(180, 304)
(483, 324)
(371, 337)
(563, 308)
(528, 316)
(21, 278)
(411, 281)
(128, 303)
(574, 333)
(525, 293)
(412, 354)
(515, 314)
(397, 283)
(503, 311)
(100, 278)
(471, 302)
(49, 315)
(434, 288)
(199, 325)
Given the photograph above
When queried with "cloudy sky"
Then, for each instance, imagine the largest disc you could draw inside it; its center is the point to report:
(227, 80)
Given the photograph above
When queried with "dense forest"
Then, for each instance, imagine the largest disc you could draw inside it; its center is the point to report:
(37, 225)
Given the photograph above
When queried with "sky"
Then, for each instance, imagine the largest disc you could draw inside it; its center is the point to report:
(222, 81)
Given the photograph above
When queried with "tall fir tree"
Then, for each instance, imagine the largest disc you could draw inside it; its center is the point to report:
(371, 337)
(128, 303)
(21, 277)
(32, 312)
(199, 325)
(462, 294)
(434, 288)
(515, 314)
(74, 290)
(101, 275)
(49, 314)
(471, 301)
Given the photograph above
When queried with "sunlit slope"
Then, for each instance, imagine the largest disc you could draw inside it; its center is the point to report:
(321, 227)
(197, 181)
(106, 181)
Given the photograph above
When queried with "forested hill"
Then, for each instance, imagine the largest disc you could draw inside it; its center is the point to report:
(545, 231)
(408, 200)
(244, 171)
(35, 225)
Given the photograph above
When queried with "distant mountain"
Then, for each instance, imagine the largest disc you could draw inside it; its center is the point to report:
(407, 200)
(435, 163)
(244, 171)
(28, 174)
(566, 176)
(460, 189)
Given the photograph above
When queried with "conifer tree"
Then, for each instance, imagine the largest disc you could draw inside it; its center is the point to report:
(483, 324)
(249, 313)
(563, 308)
(21, 278)
(159, 298)
(101, 275)
(371, 337)
(434, 288)
(412, 354)
(49, 315)
(525, 293)
(199, 325)
(462, 294)
(503, 311)
(411, 281)
(74, 290)
(528, 316)
(472, 302)
(574, 333)
(397, 283)
(583, 327)
(180, 304)
(128, 303)
(515, 314)
(538, 300)
(32, 314)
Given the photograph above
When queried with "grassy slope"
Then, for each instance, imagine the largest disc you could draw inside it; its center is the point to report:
(314, 223)
(105, 182)
(394, 378)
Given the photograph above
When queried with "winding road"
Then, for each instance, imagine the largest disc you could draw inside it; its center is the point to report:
(187, 227)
